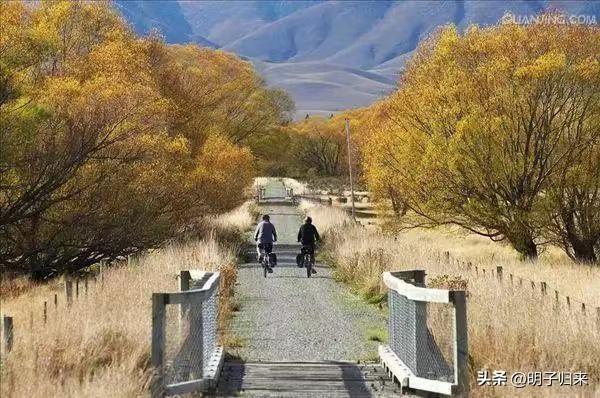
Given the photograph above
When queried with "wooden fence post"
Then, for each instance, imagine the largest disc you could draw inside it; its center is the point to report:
(184, 284)
(55, 301)
(499, 272)
(69, 291)
(511, 279)
(447, 257)
(8, 333)
(86, 287)
(583, 307)
(543, 285)
(568, 302)
(461, 344)
(45, 311)
(101, 272)
(158, 340)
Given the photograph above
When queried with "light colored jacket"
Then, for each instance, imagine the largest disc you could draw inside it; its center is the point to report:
(265, 232)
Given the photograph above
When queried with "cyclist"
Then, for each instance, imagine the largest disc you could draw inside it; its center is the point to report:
(308, 236)
(265, 235)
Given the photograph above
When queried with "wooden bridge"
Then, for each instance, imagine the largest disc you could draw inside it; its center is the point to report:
(299, 339)
(305, 379)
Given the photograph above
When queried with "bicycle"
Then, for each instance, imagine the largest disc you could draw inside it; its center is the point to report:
(265, 251)
(307, 259)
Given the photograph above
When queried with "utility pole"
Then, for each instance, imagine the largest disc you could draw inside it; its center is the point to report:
(350, 168)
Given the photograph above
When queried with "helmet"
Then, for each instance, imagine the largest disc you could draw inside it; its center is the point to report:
(308, 220)
(266, 217)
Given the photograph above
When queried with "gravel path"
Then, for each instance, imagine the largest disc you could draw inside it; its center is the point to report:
(289, 317)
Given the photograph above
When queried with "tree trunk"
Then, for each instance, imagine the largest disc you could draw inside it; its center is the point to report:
(583, 251)
(582, 244)
(398, 205)
(524, 244)
(530, 252)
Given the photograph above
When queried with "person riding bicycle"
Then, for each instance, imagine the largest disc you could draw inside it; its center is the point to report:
(265, 235)
(308, 236)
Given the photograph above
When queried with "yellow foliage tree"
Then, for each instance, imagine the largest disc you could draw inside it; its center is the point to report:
(483, 123)
(111, 143)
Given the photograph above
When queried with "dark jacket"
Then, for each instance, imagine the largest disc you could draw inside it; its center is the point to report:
(308, 234)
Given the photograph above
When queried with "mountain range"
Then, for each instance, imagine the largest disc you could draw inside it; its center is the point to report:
(329, 55)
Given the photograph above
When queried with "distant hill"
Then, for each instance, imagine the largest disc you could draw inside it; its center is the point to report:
(330, 55)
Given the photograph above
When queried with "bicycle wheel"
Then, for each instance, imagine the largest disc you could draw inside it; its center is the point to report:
(265, 265)
(308, 265)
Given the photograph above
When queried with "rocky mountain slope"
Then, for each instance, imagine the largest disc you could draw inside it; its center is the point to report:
(330, 55)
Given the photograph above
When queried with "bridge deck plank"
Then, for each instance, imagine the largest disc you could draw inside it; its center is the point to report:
(298, 379)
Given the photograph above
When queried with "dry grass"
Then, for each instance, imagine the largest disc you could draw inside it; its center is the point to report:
(100, 345)
(580, 282)
(326, 219)
(511, 328)
(239, 219)
(15, 286)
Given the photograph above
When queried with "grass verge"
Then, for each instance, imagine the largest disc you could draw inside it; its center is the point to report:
(511, 328)
(100, 344)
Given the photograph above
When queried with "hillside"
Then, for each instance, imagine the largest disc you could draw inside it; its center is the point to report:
(322, 48)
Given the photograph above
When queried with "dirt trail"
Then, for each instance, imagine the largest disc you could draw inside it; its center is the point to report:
(289, 317)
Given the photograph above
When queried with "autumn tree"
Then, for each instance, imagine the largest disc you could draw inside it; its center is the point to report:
(108, 146)
(216, 92)
(318, 145)
(572, 207)
(483, 123)
(381, 180)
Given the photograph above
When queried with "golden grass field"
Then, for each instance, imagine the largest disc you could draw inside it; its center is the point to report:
(511, 328)
(100, 345)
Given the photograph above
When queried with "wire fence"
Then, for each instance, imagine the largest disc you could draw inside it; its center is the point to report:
(70, 290)
(561, 301)
(427, 334)
(423, 342)
(185, 353)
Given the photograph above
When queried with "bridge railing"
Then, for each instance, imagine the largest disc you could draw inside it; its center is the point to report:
(427, 328)
(260, 193)
(185, 351)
